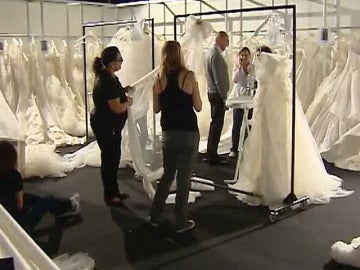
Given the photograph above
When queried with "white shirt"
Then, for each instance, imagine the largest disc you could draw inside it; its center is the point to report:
(239, 78)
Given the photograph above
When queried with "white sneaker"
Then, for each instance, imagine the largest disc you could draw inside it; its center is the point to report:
(75, 207)
(190, 224)
(232, 154)
(75, 202)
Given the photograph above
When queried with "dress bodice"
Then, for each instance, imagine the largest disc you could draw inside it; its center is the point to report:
(353, 60)
(340, 52)
(266, 65)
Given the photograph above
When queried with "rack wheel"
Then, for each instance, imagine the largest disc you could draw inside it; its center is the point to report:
(273, 218)
(304, 205)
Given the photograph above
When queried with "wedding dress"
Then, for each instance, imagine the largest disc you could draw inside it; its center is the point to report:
(320, 103)
(60, 96)
(336, 128)
(30, 119)
(6, 82)
(312, 71)
(197, 36)
(10, 129)
(26, 111)
(265, 167)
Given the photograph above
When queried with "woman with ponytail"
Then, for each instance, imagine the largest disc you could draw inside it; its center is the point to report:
(108, 119)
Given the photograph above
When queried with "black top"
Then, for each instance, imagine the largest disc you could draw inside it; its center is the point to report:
(106, 88)
(10, 183)
(177, 112)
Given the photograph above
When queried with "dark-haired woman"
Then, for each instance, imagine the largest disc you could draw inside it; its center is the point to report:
(28, 209)
(241, 79)
(108, 119)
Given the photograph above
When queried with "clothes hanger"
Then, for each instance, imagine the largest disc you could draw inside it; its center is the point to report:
(89, 34)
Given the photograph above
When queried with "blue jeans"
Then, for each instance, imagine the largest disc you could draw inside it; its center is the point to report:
(35, 207)
(238, 115)
(180, 149)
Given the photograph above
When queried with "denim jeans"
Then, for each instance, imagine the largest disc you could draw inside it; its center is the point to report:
(35, 207)
(180, 149)
(238, 115)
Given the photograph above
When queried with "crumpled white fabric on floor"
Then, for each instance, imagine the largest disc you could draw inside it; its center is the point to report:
(15, 242)
(348, 254)
(78, 261)
(265, 167)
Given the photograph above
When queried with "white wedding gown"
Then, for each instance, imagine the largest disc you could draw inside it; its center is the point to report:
(336, 127)
(265, 167)
(326, 90)
(312, 71)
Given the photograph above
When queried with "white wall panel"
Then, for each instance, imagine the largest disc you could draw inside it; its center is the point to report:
(34, 18)
(54, 19)
(13, 17)
(75, 23)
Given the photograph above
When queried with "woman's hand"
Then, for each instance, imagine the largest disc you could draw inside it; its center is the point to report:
(128, 88)
(130, 101)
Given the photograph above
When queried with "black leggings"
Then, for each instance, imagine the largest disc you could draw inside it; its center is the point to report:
(109, 141)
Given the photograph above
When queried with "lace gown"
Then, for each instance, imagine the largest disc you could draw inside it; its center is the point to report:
(265, 167)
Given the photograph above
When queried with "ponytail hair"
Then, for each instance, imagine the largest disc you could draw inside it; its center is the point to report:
(98, 66)
(108, 55)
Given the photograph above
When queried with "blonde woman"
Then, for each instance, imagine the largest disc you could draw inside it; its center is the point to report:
(176, 95)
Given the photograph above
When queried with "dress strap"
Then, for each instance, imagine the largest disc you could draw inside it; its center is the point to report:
(158, 76)
(187, 72)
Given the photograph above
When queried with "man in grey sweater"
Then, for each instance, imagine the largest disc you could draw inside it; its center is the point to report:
(217, 78)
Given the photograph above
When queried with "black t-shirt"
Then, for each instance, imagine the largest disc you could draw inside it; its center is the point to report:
(10, 183)
(107, 88)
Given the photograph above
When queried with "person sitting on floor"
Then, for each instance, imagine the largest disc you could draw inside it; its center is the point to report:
(28, 209)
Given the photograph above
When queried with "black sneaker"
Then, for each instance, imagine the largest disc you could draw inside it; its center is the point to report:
(190, 224)
(154, 223)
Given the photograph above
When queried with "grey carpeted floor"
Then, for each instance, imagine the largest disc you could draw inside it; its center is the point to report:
(229, 234)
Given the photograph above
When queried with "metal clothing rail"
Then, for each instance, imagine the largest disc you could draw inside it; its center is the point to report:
(291, 197)
(103, 23)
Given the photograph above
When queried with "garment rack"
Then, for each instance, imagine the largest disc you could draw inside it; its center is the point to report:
(291, 198)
